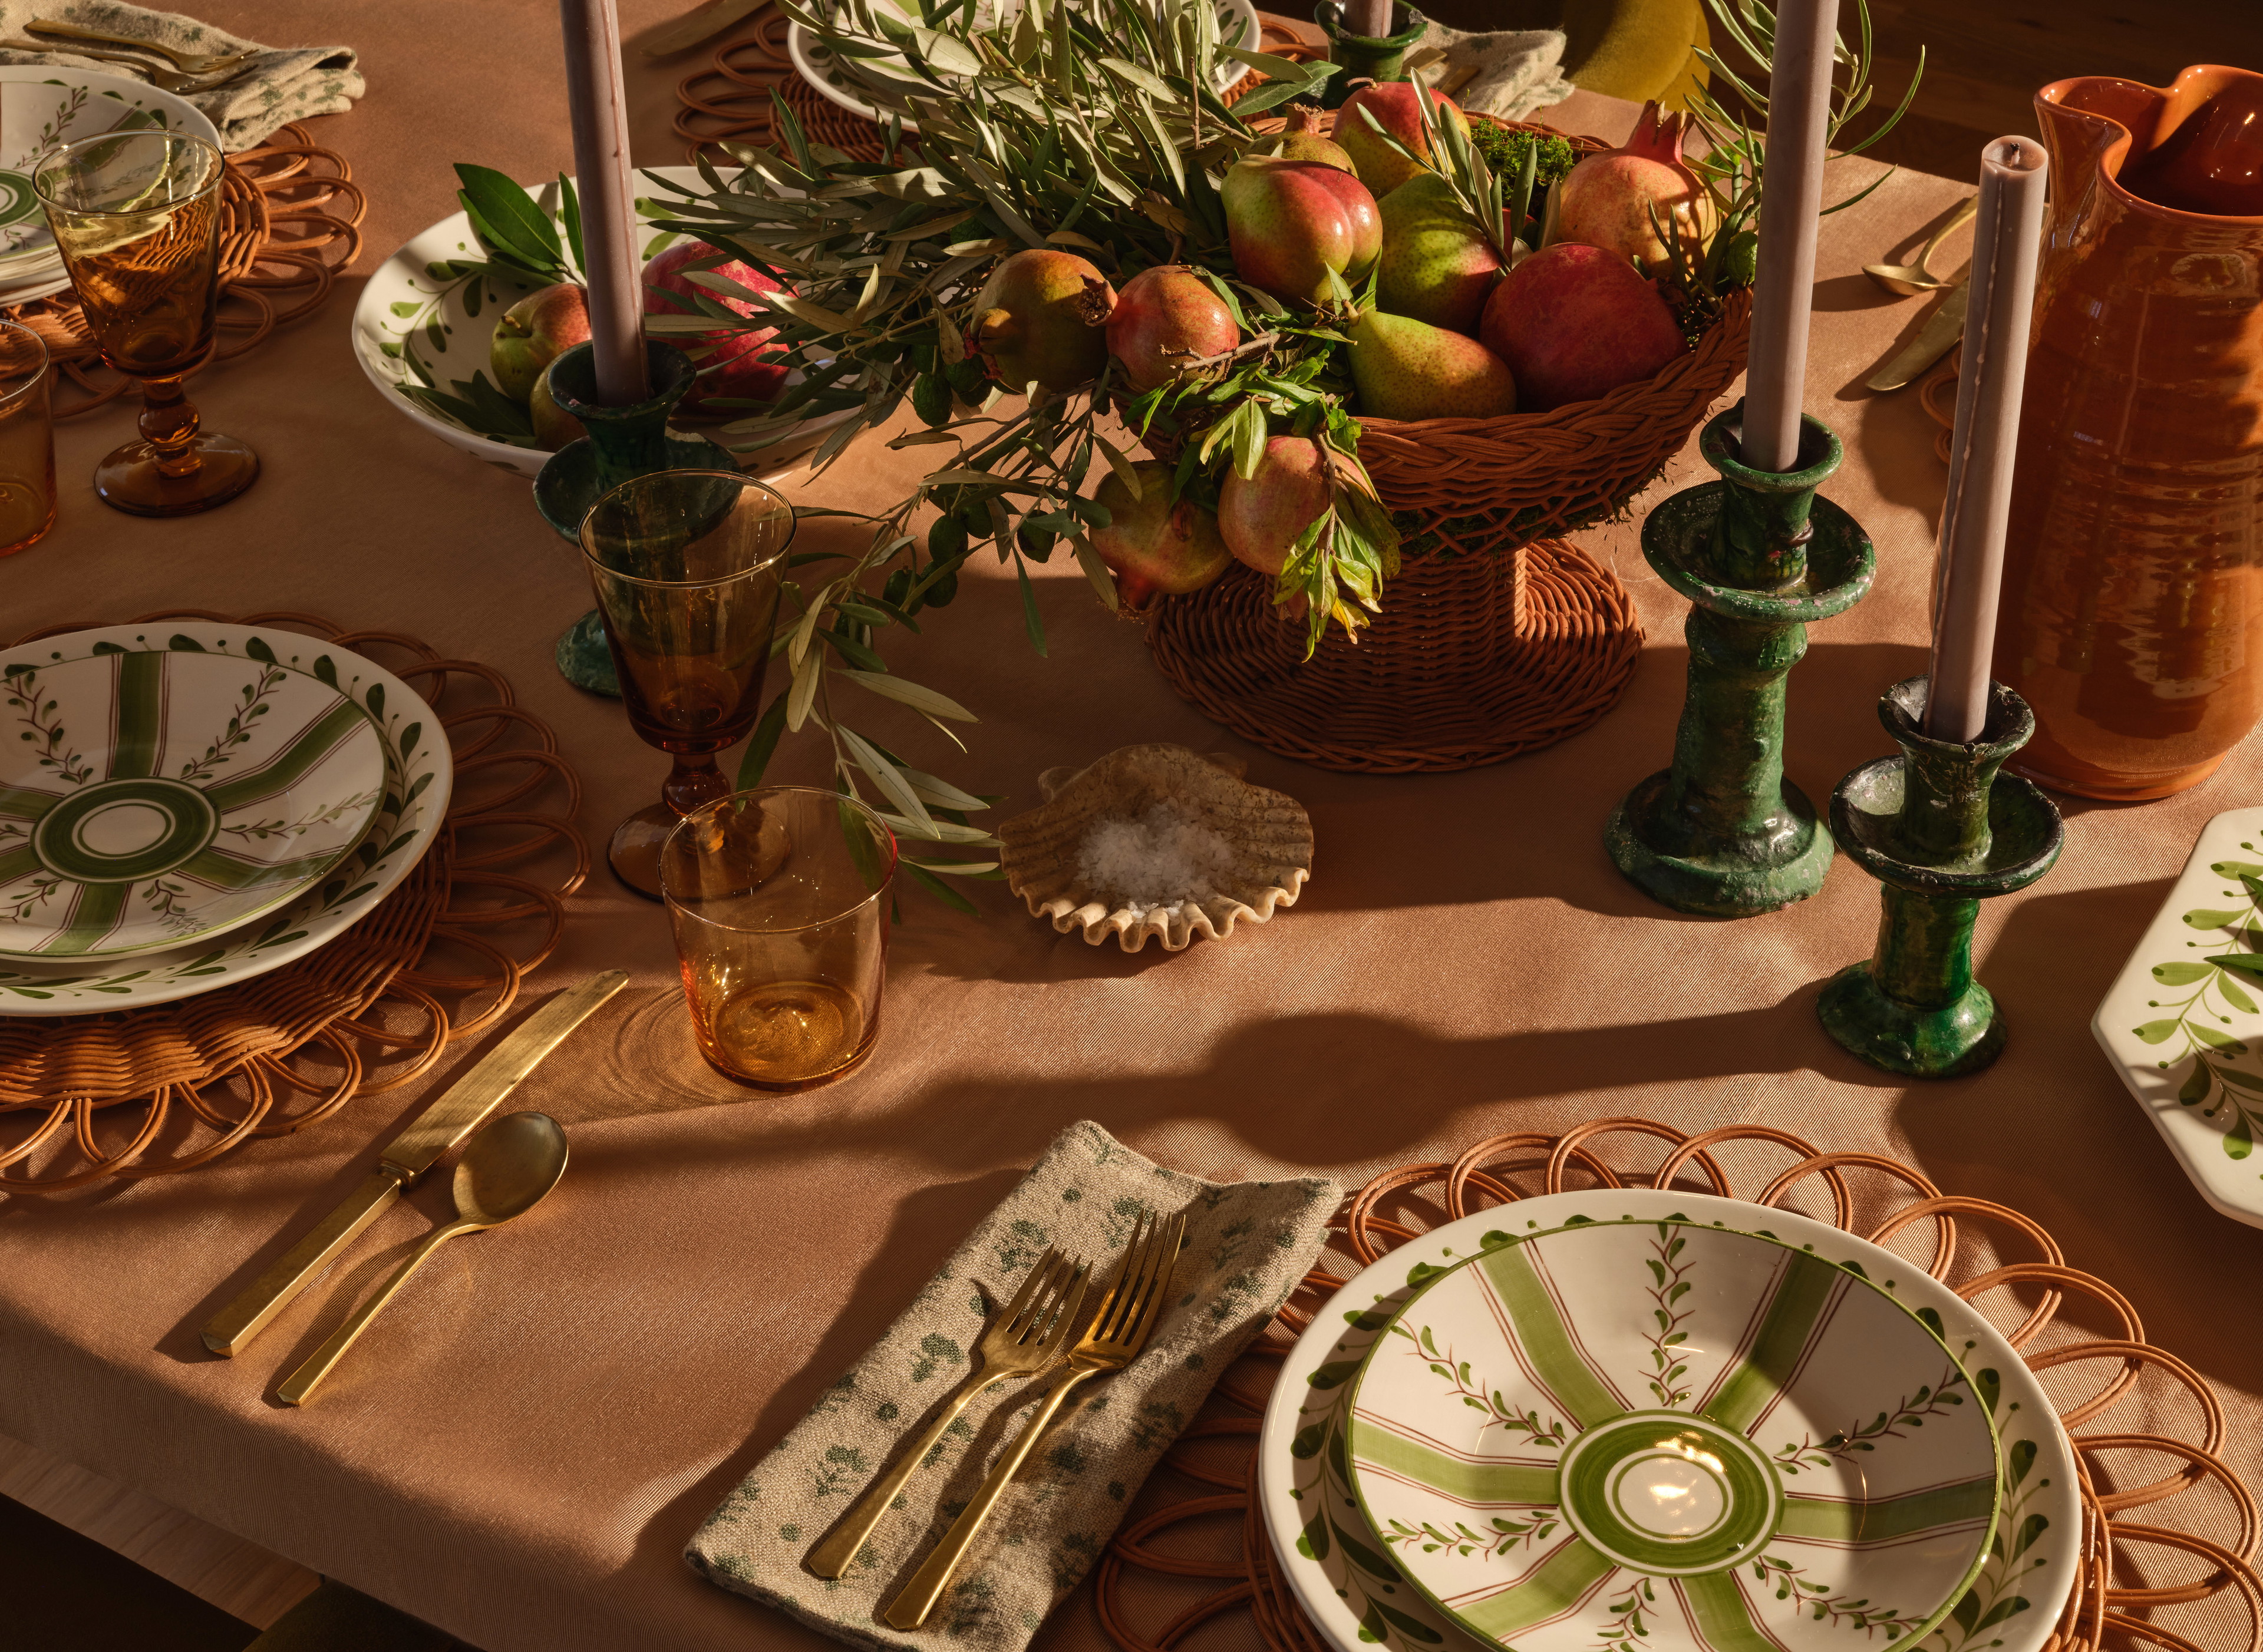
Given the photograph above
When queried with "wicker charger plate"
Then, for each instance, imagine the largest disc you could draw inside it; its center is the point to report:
(164, 1088)
(290, 212)
(2179, 1578)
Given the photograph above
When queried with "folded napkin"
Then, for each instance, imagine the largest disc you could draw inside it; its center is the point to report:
(1505, 72)
(1247, 1245)
(285, 84)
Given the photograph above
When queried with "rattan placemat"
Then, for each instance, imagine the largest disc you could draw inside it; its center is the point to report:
(290, 217)
(166, 1088)
(2179, 1578)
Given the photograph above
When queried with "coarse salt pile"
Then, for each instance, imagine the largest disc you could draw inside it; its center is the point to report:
(1157, 860)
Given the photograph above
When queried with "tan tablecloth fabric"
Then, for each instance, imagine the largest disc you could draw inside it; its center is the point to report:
(519, 1449)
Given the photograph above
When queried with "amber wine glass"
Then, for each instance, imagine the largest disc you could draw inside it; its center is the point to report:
(686, 565)
(136, 216)
(780, 901)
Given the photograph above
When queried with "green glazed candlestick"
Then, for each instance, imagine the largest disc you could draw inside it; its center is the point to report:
(622, 444)
(1943, 830)
(1761, 558)
(1365, 56)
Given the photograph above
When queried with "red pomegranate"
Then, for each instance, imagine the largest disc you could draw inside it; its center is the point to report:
(736, 364)
(1574, 321)
(1156, 547)
(1164, 319)
(1608, 199)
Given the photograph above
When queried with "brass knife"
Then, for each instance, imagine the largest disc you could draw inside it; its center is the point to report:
(452, 1116)
(1941, 329)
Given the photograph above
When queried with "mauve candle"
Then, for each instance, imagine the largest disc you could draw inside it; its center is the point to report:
(1371, 17)
(2006, 234)
(1798, 121)
(600, 116)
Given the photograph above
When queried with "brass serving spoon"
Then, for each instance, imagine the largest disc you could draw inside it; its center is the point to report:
(1907, 280)
(504, 1172)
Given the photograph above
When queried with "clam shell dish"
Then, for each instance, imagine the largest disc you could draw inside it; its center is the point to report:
(1262, 847)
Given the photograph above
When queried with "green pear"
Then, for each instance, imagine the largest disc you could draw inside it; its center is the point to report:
(1437, 265)
(1407, 369)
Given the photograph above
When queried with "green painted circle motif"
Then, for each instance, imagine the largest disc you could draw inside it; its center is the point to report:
(122, 830)
(1669, 1494)
(17, 200)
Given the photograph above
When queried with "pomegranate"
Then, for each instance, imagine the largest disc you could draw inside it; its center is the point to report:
(734, 364)
(1164, 319)
(1607, 200)
(1262, 518)
(1037, 320)
(1301, 140)
(1574, 321)
(1292, 222)
(1380, 167)
(1156, 547)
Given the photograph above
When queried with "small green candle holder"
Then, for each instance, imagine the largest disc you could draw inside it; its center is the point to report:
(1761, 558)
(622, 444)
(1942, 830)
(1366, 56)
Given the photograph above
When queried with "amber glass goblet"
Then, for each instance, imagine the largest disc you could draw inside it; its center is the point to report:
(779, 900)
(136, 216)
(686, 566)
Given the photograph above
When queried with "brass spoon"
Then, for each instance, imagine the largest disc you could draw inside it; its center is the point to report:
(504, 1172)
(1907, 280)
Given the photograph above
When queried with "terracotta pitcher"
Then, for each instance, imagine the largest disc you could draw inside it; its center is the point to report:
(2132, 616)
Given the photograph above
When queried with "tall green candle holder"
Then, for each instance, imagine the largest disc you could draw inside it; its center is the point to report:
(1943, 830)
(1761, 558)
(1366, 56)
(622, 444)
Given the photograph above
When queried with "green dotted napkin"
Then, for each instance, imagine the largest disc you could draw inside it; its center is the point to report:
(1247, 1245)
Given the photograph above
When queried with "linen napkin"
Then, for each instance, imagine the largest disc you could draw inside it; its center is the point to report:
(1247, 1245)
(1505, 72)
(285, 84)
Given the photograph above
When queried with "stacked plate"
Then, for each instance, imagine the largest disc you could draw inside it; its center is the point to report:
(1622, 1420)
(43, 107)
(185, 806)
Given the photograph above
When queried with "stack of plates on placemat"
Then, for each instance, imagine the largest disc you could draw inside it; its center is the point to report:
(41, 108)
(1654, 1419)
(186, 805)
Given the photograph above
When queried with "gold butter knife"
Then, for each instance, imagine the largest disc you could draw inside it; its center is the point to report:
(452, 1117)
(1941, 329)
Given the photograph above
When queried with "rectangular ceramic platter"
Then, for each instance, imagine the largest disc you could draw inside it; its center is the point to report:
(2187, 1035)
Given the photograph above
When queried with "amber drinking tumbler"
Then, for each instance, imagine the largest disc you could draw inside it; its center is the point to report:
(686, 566)
(28, 440)
(137, 218)
(779, 900)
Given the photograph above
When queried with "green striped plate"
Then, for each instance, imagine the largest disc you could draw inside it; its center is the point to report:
(157, 795)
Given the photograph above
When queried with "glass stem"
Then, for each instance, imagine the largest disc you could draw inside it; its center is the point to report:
(693, 782)
(169, 424)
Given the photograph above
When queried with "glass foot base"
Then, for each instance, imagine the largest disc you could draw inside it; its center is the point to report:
(129, 479)
(634, 852)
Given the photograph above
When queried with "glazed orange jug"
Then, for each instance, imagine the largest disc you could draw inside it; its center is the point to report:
(2132, 613)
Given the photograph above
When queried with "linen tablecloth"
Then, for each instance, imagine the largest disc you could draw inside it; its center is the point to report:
(518, 1450)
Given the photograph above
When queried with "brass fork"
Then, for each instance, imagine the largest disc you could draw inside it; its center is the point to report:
(1118, 1331)
(187, 62)
(1025, 1340)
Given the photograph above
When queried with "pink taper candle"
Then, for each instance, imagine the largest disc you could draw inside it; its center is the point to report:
(2007, 235)
(600, 116)
(1371, 17)
(1798, 121)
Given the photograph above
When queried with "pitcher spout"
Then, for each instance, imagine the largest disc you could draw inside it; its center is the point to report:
(2195, 147)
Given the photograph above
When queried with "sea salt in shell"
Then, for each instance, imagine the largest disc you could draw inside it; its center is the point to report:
(1157, 840)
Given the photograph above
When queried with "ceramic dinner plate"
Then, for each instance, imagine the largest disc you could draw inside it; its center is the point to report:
(42, 107)
(157, 795)
(1647, 1492)
(415, 305)
(1574, 1436)
(417, 776)
(868, 91)
(2181, 1023)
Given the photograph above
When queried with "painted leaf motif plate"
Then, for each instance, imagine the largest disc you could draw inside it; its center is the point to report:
(412, 778)
(1595, 1405)
(2181, 1023)
(1800, 1590)
(156, 795)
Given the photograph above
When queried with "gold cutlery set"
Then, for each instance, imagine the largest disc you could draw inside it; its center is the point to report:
(1946, 325)
(1043, 1333)
(190, 72)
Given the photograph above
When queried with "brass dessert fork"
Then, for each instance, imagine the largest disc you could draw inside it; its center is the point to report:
(1024, 1341)
(1118, 1331)
(187, 62)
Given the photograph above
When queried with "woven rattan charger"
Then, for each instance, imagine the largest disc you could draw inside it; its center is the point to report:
(165, 1088)
(290, 217)
(2183, 1586)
